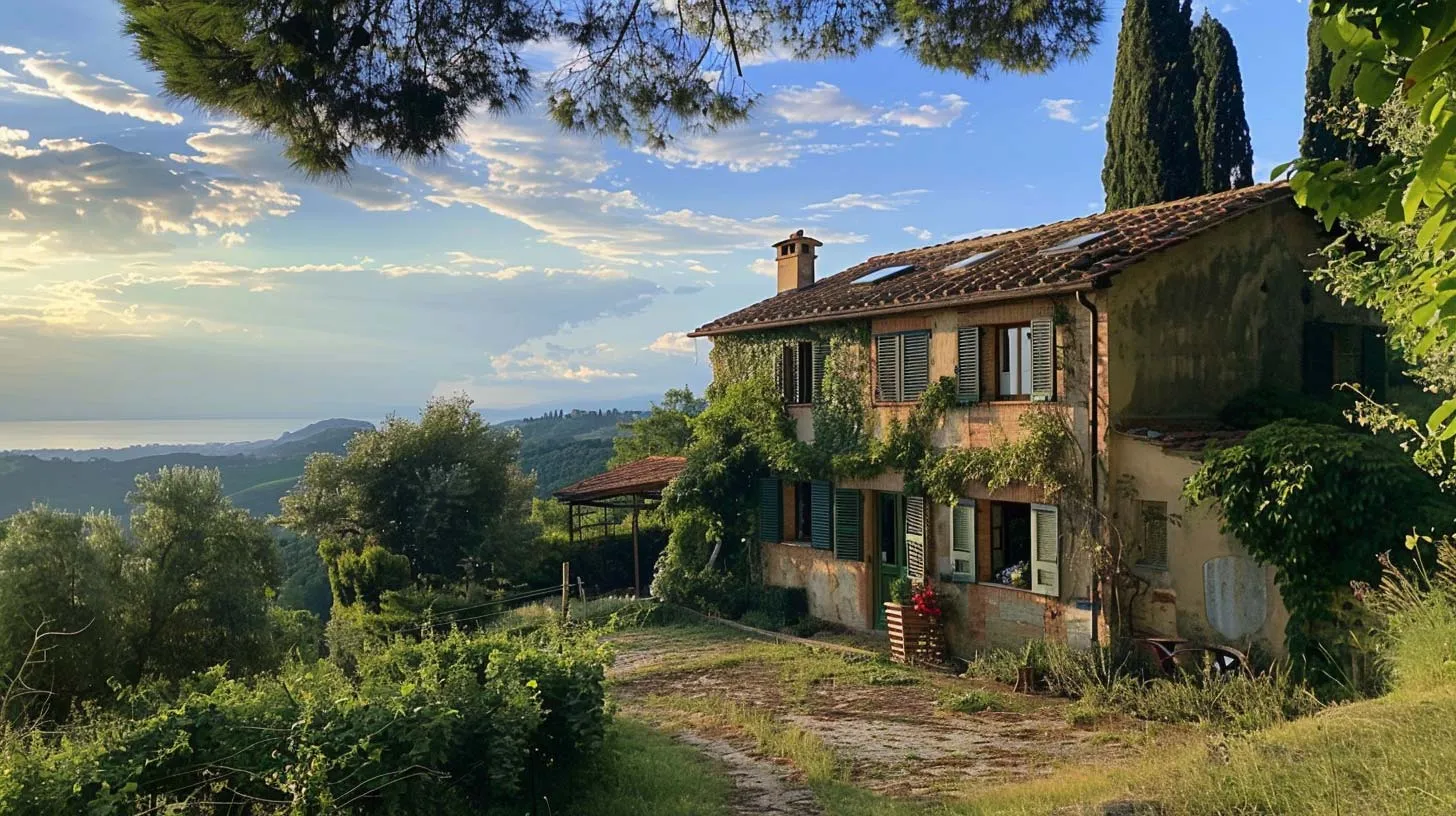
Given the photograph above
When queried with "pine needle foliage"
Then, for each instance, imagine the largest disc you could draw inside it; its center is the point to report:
(1152, 153)
(1225, 150)
(332, 78)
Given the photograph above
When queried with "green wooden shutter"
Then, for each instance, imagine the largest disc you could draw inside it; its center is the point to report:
(968, 364)
(848, 517)
(822, 512)
(1373, 374)
(963, 539)
(770, 510)
(1043, 360)
(821, 352)
(1046, 554)
(915, 359)
(791, 374)
(915, 556)
(887, 368)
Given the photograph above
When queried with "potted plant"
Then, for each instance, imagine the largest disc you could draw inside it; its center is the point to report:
(912, 617)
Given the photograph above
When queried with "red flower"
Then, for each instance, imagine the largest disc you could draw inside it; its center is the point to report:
(926, 602)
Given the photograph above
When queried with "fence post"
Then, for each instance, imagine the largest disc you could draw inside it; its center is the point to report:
(565, 588)
(581, 588)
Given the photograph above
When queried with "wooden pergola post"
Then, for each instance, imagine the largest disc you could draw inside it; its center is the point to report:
(636, 561)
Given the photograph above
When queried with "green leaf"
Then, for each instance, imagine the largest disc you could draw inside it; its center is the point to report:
(1411, 201)
(1431, 60)
(1374, 85)
(1434, 157)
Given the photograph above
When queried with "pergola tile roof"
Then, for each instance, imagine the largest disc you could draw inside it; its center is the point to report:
(643, 477)
(1018, 269)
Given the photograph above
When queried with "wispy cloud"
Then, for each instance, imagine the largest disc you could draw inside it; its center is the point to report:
(826, 103)
(872, 201)
(98, 92)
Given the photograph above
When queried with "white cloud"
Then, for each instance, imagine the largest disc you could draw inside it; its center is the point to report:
(826, 103)
(918, 233)
(466, 259)
(98, 198)
(764, 266)
(1059, 110)
(97, 92)
(554, 363)
(675, 343)
(11, 51)
(367, 187)
(231, 239)
(873, 201)
(10, 143)
(528, 171)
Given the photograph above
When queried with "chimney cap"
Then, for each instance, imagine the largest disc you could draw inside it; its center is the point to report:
(798, 237)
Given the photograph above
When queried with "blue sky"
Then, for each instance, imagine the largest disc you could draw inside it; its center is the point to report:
(158, 261)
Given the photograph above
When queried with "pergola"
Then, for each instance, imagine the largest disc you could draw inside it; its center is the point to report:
(636, 486)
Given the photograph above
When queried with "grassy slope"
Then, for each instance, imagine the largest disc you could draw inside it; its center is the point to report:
(643, 773)
(1391, 755)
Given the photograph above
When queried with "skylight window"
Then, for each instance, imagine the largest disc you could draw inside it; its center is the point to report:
(1074, 244)
(967, 263)
(881, 274)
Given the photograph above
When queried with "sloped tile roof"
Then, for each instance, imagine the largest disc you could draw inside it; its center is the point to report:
(642, 477)
(1017, 269)
(1191, 439)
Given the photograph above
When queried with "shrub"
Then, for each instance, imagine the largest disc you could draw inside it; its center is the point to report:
(448, 726)
(1418, 621)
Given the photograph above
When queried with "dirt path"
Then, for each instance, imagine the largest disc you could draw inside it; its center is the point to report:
(760, 786)
(893, 738)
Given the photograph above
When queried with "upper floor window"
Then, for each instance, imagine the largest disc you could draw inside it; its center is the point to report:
(1026, 361)
(1343, 353)
(1013, 352)
(902, 366)
(799, 371)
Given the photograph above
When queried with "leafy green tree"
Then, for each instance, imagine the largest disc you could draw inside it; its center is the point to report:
(53, 578)
(1225, 151)
(666, 431)
(1335, 125)
(1399, 56)
(333, 77)
(196, 577)
(414, 497)
(1152, 152)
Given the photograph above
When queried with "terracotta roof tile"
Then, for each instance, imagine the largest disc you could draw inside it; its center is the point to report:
(649, 475)
(1186, 438)
(1018, 269)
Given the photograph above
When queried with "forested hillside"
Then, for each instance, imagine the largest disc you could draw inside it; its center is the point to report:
(566, 447)
(253, 482)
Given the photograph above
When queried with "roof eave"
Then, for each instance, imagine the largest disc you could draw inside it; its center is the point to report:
(901, 308)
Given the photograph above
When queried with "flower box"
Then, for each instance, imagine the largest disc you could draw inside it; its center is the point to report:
(915, 638)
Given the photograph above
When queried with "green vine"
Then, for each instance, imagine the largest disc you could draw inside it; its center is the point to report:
(1045, 456)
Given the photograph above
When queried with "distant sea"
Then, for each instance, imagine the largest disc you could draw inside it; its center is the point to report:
(87, 434)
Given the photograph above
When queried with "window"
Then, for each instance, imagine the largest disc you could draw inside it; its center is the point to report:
(799, 369)
(1013, 350)
(1341, 353)
(1011, 544)
(848, 518)
(882, 274)
(902, 364)
(1152, 521)
(803, 511)
(967, 263)
(1026, 361)
(1074, 244)
(963, 540)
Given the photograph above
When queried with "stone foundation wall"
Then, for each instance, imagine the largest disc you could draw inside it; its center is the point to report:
(839, 591)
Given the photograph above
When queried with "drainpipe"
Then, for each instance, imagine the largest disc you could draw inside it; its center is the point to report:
(1096, 450)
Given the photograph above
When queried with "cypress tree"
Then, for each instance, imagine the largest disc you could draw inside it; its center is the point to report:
(1226, 154)
(1152, 154)
(1334, 125)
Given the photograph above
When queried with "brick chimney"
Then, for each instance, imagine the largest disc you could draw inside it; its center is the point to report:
(795, 256)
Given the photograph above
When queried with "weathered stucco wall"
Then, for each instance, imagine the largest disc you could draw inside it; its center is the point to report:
(839, 591)
(983, 616)
(1196, 326)
(1176, 602)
